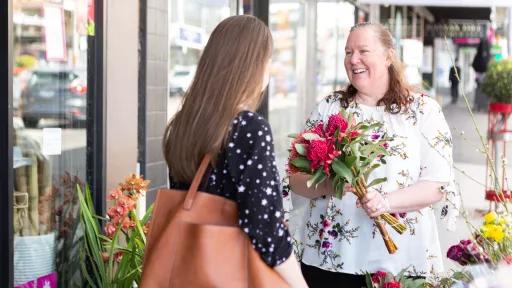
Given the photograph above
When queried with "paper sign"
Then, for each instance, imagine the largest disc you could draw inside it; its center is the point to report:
(52, 141)
(55, 38)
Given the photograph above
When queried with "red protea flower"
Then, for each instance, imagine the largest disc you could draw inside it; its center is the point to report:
(377, 276)
(318, 129)
(317, 153)
(391, 284)
(336, 121)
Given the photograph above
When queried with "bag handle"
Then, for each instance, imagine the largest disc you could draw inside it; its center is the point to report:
(192, 191)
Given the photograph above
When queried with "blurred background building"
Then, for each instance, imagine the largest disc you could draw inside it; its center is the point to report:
(91, 84)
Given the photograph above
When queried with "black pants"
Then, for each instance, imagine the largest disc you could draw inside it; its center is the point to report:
(319, 278)
(455, 92)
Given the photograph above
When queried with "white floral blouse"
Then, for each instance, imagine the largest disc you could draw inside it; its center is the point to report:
(335, 235)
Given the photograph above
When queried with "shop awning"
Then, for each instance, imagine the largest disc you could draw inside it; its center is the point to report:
(445, 3)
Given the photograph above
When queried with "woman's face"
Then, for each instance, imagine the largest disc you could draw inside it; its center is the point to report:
(367, 62)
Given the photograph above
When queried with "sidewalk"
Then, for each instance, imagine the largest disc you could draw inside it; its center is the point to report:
(467, 160)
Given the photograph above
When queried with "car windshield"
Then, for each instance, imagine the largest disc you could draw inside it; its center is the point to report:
(44, 78)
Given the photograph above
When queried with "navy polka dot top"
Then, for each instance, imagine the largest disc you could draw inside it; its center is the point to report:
(246, 173)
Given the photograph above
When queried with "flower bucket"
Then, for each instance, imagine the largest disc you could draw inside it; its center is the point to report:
(34, 256)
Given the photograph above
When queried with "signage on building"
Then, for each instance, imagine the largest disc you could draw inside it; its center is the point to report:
(189, 36)
(445, 3)
(457, 30)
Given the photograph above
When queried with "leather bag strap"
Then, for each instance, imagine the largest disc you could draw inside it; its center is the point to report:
(192, 191)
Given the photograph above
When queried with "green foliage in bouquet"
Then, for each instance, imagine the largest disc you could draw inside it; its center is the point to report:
(114, 258)
(343, 149)
(498, 81)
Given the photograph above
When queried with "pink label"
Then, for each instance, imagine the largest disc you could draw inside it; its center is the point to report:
(46, 281)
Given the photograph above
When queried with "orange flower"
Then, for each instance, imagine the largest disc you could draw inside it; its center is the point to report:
(127, 223)
(115, 194)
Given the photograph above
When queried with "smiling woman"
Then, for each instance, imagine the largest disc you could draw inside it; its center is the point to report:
(333, 233)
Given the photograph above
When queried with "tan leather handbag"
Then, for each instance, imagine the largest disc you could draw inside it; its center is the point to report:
(194, 241)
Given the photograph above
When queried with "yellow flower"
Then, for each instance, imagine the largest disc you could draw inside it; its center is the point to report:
(493, 232)
(490, 217)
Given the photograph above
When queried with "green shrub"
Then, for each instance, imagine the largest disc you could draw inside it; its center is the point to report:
(497, 84)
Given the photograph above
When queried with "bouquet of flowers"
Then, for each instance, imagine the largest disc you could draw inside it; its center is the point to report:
(344, 151)
(114, 258)
(493, 242)
(381, 279)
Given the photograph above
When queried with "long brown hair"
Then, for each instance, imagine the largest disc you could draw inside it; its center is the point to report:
(228, 79)
(398, 97)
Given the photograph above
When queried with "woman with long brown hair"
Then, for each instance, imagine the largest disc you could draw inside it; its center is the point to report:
(218, 117)
(338, 241)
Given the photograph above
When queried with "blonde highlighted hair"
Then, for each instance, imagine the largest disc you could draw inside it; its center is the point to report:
(228, 79)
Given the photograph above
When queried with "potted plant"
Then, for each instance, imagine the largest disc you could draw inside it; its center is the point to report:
(497, 84)
(113, 258)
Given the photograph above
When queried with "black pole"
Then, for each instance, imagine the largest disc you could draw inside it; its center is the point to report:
(141, 138)
(96, 112)
(260, 9)
(6, 161)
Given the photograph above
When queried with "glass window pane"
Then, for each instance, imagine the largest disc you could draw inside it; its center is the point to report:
(49, 149)
(285, 115)
(333, 28)
(191, 23)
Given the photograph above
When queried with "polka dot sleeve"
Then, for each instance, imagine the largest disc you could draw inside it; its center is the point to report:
(251, 163)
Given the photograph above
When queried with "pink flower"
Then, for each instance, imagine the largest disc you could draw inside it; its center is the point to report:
(391, 284)
(336, 121)
(326, 223)
(118, 256)
(377, 276)
(110, 229)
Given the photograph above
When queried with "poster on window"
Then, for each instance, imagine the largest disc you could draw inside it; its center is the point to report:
(54, 36)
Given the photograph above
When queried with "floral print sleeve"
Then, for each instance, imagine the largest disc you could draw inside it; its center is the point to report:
(436, 144)
(436, 160)
(251, 164)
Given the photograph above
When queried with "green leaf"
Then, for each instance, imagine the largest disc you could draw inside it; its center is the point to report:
(370, 169)
(341, 169)
(350, 160)
(301, 149)
(293, 135)
(377, 181)
(318, 177)
(310, 136)
(301, 163)
(368, 278)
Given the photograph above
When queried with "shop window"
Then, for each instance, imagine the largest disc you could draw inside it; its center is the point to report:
(191, 23)
(49, 138)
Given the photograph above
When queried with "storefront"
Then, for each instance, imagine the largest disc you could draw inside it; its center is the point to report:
(86, 92)
(50, 137)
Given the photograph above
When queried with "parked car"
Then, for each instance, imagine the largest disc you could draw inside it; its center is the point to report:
(54, 93)
(181, 78)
